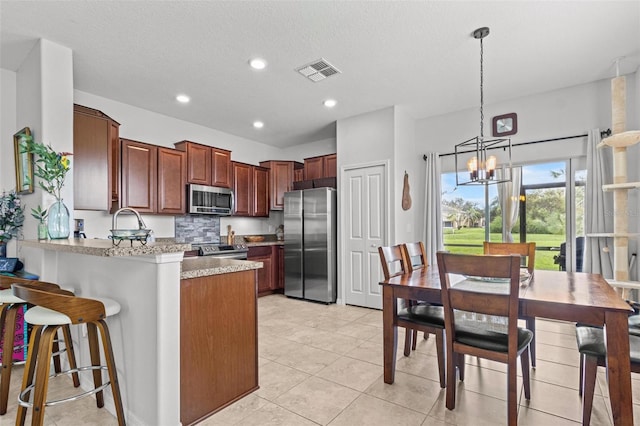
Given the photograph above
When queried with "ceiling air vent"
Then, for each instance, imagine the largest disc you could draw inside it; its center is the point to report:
(318, 70)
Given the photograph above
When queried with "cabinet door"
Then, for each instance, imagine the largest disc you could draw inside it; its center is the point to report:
(330, 165)
(280, 269)
(198, 164)
(298, 174)
(266, 275)
(139, 173)
(242, 188)
(172, 176)
(221, 167)
(92, 160)
(114, 161)
(313, 168)
(281, 182)
(260, 192)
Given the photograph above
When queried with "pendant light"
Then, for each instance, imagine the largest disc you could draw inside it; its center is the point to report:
(480, 164)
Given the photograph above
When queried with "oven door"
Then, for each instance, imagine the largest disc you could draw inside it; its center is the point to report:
(239, 256)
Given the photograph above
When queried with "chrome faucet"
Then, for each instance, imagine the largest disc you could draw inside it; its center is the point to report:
(114, 221)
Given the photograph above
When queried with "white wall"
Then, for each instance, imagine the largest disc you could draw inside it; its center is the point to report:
(405, 160)
(7, 129)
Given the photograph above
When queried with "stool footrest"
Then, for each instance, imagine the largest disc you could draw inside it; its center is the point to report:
(22, 397)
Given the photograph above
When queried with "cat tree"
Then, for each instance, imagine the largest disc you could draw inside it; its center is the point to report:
(619, 141)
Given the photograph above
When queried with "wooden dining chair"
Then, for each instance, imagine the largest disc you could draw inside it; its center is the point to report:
(593, 354)
(416, 257)
(480, 330)
(426, 318)
(527, 251)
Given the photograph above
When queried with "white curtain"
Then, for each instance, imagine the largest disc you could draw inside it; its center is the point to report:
(509, 199)
(432, 207)
(597, 257)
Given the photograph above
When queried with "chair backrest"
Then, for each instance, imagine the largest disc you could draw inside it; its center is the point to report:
(393, 259)
(527, 250)
(490, 298)
(6, 282)
(416, 256)
(78, 309)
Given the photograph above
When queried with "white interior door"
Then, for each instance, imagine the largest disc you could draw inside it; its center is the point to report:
(364, 204)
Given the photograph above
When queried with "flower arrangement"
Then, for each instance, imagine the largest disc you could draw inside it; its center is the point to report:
(50, 166)
(39, 214)
(11, 215)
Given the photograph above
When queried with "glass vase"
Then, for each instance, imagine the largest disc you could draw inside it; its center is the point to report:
(43, 232)
(58, 224)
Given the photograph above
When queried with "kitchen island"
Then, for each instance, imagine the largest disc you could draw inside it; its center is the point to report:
(146, 334)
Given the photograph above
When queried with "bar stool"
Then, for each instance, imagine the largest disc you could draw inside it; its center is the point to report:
(55, 309)
(9, 307)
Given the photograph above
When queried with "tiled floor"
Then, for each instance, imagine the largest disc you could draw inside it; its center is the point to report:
(322, 365)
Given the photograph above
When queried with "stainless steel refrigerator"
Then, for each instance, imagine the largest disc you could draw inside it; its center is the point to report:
(310, 259)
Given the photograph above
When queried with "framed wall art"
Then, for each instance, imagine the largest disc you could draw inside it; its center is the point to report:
(24, 162)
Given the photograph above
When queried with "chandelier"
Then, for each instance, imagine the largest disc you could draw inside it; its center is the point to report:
(481, 165)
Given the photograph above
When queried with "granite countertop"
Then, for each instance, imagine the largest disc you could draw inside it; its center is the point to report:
(265, 243)
(202, 266)
(103, 247)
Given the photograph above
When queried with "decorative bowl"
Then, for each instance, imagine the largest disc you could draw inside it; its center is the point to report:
(254, 238)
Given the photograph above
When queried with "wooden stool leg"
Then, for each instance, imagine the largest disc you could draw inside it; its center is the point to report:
(71, 354)
(57, 365)
(590, 367)
(441, 358)
(113, 373)
(531, 325)
(94, 351)
(407, 341)
(29, 369)
(8, 319)
(45, 352)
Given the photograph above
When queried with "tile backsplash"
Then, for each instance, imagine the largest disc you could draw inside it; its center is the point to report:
(197, 229)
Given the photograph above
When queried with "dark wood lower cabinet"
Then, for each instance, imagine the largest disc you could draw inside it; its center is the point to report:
(218, 341)
(271, 276)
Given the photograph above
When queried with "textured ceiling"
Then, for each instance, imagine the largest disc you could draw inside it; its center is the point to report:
(416, 54)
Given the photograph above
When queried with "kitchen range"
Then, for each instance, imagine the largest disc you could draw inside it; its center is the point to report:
(221, 251)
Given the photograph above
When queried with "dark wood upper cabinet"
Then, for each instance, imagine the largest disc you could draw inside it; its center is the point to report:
(221, 167)
(320, 167)
(139, 174)
(96, 159)
(251, 190)
(207, 165)
(260, 192)
(198, 162)
(172, 178)
(281, 177)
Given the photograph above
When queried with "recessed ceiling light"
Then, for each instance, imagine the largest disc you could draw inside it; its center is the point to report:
(183, 99)
(258, 124)
(330, 103)
(258, 64)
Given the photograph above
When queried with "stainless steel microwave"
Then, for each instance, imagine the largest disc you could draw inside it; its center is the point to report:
(210, 200)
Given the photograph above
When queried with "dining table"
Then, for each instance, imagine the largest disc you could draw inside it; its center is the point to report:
(567, 296)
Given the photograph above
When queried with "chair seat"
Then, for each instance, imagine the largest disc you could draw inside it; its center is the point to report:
(7, 297)
(480, 337)
(43, 316)
(591, 342)
(424, 314)
(634, 325)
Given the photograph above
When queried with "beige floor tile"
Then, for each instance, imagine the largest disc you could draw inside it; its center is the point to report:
(472, 409)
(373, 318)
(359, 331)
(371, 411)
(273, 415)
(486, 381)
(425, 366)
(326, 322)
(346, 313)
(273, 347)
(308, 359)
(530, 417)
(562, 402)
(557, 374)
(557, 354)
(276, 379)
(353, 373)
(236, 412)
(317, 399)
(369, 351)
(563, 327)
(556, 339)
(409, 391)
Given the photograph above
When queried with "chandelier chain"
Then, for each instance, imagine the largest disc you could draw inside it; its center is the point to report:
(481, 92)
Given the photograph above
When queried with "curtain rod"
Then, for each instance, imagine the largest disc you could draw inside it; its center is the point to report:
(604, 133)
